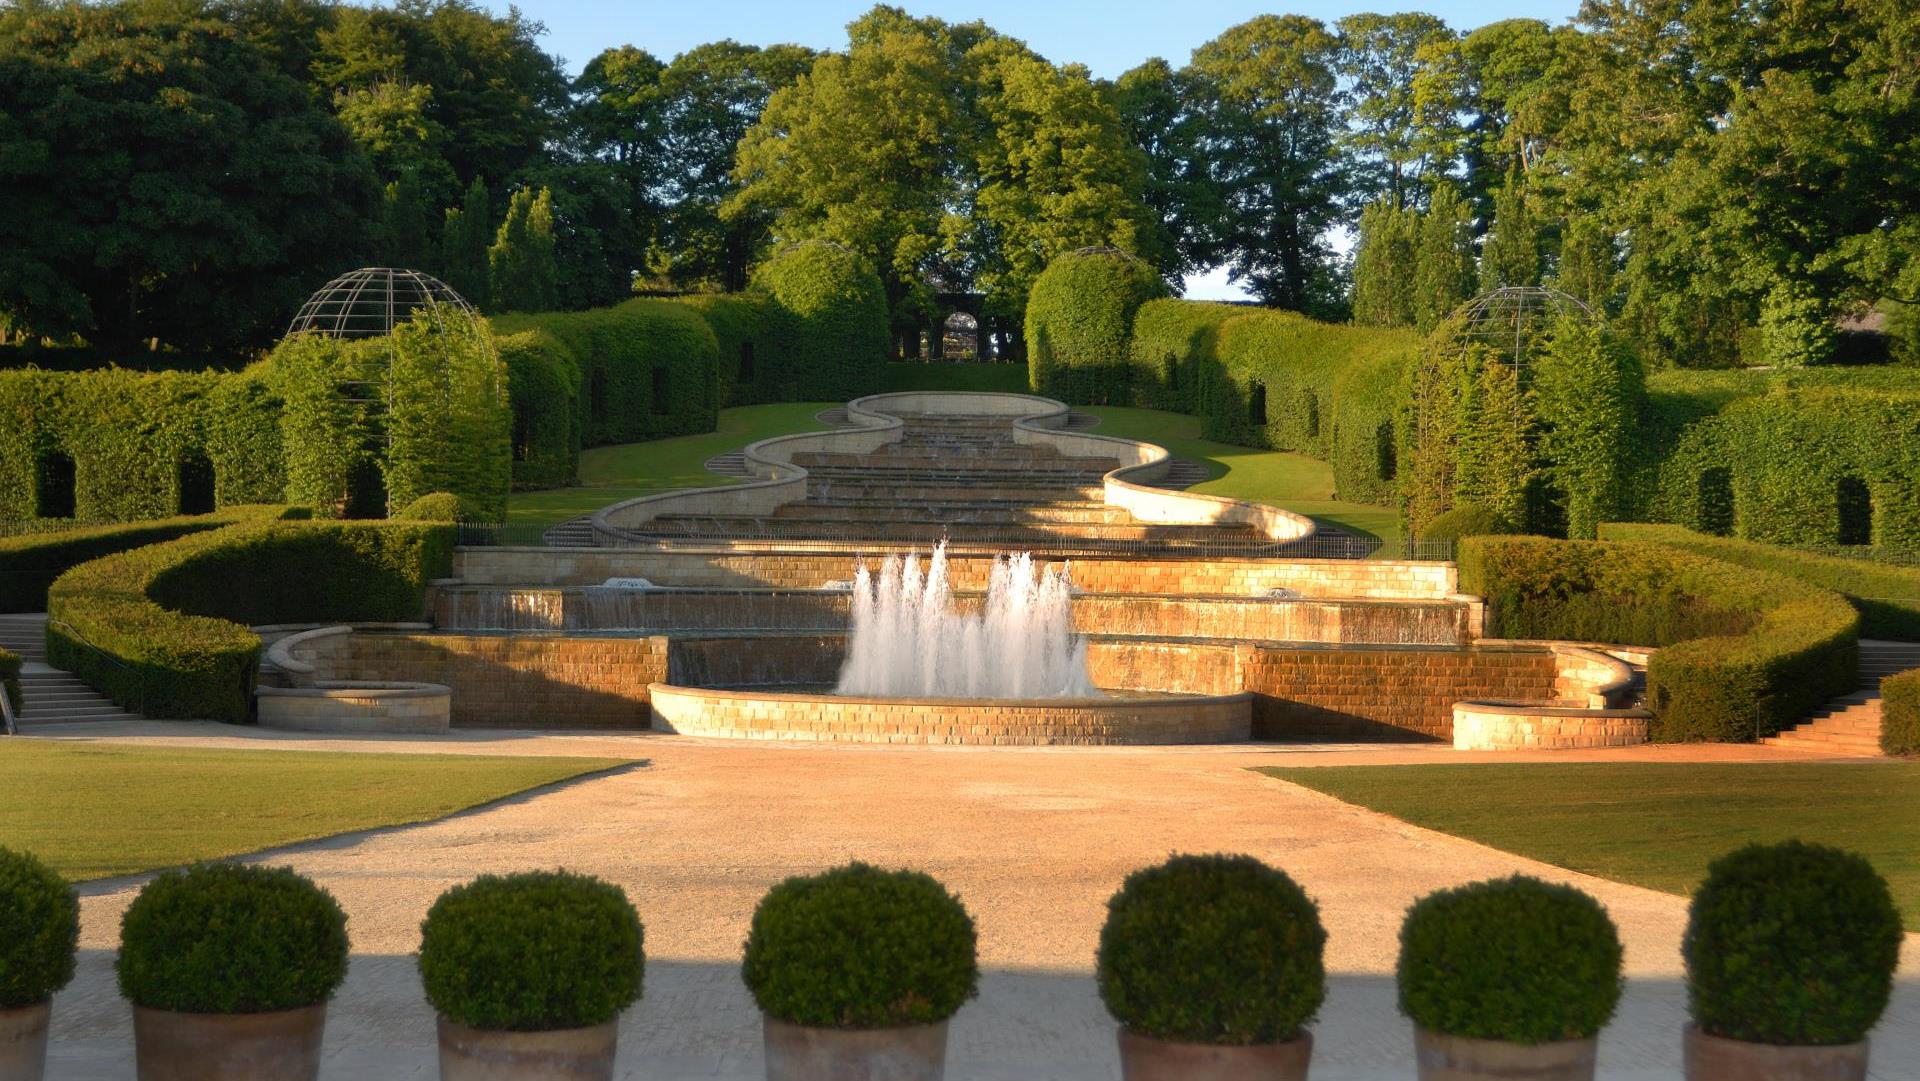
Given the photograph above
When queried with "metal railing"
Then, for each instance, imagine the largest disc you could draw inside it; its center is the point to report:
(747, 535)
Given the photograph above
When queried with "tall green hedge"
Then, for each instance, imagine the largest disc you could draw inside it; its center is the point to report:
(755, 338)
(543, 386)
(1280, 371)
(1886, 596)
(625, 354)
(835, 310)
(163, 629)
(1743, 652)
(1173, 353)
(30, 563)
(1900, 713)
(1080, 321)
(131, 437)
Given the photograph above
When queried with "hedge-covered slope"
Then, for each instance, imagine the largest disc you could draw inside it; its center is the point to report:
(30, 563)
(1900, 713)
(1080, 321)
(1744, 652)
(832, 320)
(135, 444)
(1887, 596)
(162, 630)
(1173, 352)
(647, 368)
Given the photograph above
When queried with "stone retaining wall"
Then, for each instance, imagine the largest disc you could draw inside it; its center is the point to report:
(1496, 726)
(364, 708)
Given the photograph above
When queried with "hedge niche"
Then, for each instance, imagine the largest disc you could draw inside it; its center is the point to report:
(1080, 318)
(836, 327)
(163, 630)
(1743, 652)
(543, 389)
(1173, 352)
(754, 339)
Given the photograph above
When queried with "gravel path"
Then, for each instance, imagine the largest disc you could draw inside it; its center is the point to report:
(1033, 841)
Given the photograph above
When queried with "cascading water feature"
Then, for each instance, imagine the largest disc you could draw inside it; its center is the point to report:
(907, 639)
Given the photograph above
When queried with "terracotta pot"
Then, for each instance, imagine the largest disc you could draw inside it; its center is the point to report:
(1441, 1057)
(1716, 1058)
(568, 1054)
(23, 1042)
(1143, 1058)
(280, 1046)
(908, 1053)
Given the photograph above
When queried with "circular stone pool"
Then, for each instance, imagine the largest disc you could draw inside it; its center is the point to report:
(1122, 718)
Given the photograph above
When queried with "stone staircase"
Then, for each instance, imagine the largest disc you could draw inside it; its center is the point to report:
(572, 533)
(53, 697)
(1850, 724)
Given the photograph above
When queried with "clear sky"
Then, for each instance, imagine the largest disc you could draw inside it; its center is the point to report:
(1108, 36)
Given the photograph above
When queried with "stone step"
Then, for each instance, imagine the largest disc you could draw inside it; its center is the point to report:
(572, 533)
(855, 529)
(1181, 474)
(1093, 513)
(729, 465)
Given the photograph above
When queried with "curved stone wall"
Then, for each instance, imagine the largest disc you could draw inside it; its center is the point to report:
(1118, 721)
(358, 708)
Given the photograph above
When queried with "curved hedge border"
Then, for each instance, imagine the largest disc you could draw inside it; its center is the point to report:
(1080, 322)
(127, 434)
(1743, 652)
(30, 563)
(163, 629)
(833, 319)
(1886, 596)
(1900, 713)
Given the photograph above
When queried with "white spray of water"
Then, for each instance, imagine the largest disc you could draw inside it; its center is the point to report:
(907, 640)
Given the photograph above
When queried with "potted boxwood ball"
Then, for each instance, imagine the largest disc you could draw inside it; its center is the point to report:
(229, 968)
(1511, 979)
(1213, 967)
(857, 971)
(529, 973)
(39, 930)
(1790, 952)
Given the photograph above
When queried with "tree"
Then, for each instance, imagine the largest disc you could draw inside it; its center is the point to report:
(1386, 265)
(522, 273)
(1585, 270)
(1379, 58)
(1588, 392)
(1511, 253)
(1155, 104)
(165, 181)
(1270, 99)
(467, 234)
(1443, 274)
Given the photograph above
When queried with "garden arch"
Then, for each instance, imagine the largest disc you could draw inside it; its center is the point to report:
(56, 487)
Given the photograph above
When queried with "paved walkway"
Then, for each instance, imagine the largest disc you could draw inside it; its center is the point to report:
(1034, 841)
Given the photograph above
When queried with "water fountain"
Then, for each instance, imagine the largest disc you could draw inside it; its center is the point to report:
(907, 638)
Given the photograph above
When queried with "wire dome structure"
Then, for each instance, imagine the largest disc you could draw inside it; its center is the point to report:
(371, 301)
(1508, 318)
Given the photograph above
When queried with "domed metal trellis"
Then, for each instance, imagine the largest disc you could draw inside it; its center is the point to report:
(1507, 318)
(371, 301)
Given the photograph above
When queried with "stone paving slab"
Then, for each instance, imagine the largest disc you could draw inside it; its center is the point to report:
(1033, 841)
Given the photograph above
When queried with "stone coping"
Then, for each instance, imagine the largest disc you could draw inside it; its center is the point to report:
(876, 421)
(1116, 697)
(1511, 708)
(346, 688)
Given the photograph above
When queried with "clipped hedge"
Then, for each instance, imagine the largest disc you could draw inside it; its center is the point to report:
(1900, 713)
(39, 930)
(1513, 959)
(1886, 596)
(231, 938)
(1467, 520)
(436, 507)
(10, 679)
(136, 443)
(532, 952)
(858, 947)
(755, 339)
(1213, 949)
(543, 389)
(627, 353)
(1173, 353)
(833, 317)
(1742, 654)
(1791, 944)
(1080, 322)
(162, 630)
(30, 563)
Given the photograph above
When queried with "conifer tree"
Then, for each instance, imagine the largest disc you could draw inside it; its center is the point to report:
(1511, 254)
(1384, 265)
(1443, 262)
(1586, 262)
(521, 268)
(463, 246)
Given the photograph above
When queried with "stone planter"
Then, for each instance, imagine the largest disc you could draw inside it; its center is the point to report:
(568, 1054)
(909, 1053)
(280, 1046)
(1143, 1058)
(23, 1042)
(1716, 1058)
(1458, 1058)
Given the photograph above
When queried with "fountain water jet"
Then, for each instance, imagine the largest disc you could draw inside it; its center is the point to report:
(907, 639)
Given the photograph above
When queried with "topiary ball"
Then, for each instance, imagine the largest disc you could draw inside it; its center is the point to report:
(1792, 944)
(1467, 520)
(39, 930)
(1212, 949)
(862, 948)
(532, 952)
(231, 938)
(1513, 959)
(436, 507)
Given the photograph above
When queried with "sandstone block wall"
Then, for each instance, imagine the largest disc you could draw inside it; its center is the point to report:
(1490, 727)
(520, 681)
(1369, 694)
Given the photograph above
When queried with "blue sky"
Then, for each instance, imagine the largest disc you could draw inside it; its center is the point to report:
(1108, 36)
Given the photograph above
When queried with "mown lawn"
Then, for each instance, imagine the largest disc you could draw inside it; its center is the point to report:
(1651, 824)
(611, 474)
(96, 810)
(1294, 481)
